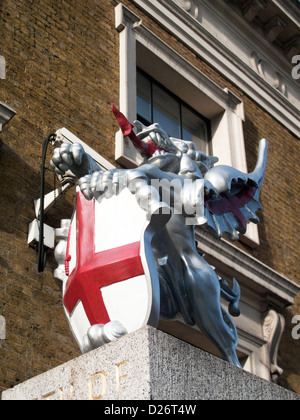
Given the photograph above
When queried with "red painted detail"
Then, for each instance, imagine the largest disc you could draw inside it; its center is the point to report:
(233, 204)
(147, 148)
(68, 256)
(96, 270)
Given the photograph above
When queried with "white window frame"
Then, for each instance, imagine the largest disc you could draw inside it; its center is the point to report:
(222, 107)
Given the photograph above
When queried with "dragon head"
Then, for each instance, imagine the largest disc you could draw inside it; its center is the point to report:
(150, 140)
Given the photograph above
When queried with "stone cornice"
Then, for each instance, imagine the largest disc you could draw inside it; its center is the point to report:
(217, 34)
(280, 290)
(290, 10)
(277, 21)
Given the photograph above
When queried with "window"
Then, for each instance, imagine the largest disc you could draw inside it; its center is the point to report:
(156, 104)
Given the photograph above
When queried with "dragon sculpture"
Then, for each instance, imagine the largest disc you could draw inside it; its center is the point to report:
(189, 286)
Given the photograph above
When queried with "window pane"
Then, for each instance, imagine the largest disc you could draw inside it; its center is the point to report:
(166, 111)
(156, 104)
(194, 129)
(144, 97)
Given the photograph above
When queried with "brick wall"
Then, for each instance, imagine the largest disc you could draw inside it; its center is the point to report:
(62, 71)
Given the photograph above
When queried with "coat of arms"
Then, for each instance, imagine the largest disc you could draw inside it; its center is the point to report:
(130, 255)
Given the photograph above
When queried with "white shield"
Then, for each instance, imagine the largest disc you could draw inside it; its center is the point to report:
(110, 264)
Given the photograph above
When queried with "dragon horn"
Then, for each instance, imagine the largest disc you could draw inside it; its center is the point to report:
(259, 172)
(124, 124)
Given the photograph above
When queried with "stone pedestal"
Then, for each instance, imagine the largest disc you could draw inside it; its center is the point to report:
(147, 365)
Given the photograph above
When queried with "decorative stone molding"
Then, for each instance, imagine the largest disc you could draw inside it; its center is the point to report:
(267, 72)
(280, 290)
(228, 47)
(277, 21)
(275, 26)
(252, 8)
(290, 9)
(273, 327)
(292, 47)
(190, 6)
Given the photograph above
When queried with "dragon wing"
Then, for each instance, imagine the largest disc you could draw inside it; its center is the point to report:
(237, 200)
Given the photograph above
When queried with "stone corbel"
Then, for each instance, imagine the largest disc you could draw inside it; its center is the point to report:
(125, 18)
(267, 72)
(274, 28)
(253, 8)
(273, 327)
(292, 47)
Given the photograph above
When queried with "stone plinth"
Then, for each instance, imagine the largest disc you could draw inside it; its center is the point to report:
(147, 365)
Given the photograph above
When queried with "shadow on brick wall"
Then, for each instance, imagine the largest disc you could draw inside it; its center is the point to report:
(37, 334)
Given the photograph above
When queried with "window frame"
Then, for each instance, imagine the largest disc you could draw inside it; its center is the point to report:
(182, 104)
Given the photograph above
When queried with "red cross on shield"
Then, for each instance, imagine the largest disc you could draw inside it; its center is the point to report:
(111, 268)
